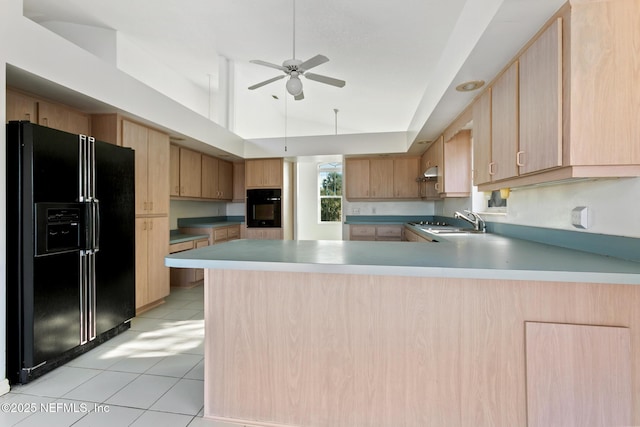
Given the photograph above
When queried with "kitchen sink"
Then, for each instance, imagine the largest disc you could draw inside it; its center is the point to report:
(443, 232)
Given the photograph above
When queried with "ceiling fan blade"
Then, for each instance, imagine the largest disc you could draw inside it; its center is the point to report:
(313, 62)
(269, 64)
(299, 97)
(324, 79)
(266, 82)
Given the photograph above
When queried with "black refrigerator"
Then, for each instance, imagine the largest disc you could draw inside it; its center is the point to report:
(70, 246)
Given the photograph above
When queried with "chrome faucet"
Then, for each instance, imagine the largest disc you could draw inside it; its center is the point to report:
(472, 218)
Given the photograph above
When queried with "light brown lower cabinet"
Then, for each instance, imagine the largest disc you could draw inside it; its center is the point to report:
(187, 277)
(578, 375)
(152, 277)
(263, 233)
(376, 232)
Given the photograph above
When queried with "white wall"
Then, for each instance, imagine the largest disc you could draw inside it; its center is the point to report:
(307, 220)
(417, 207)
(614, 206)
(194, 209)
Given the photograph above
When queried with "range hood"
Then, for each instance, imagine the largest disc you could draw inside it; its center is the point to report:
(429, 175)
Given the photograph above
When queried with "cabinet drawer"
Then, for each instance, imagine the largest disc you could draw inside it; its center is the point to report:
(202, 243)
(389, 231)
(233, 232)
(179, 247)
(220, 234)
(363, 230)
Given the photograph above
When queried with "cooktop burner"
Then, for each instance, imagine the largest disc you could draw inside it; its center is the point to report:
(441, 223)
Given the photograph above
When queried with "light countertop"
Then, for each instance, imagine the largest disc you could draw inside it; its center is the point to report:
(481, 256)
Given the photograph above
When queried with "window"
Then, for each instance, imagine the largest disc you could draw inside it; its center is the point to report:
(330, 192)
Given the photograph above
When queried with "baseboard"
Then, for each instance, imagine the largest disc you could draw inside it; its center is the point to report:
(4, 386)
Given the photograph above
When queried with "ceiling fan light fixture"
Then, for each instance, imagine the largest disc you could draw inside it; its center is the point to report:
(294, 85)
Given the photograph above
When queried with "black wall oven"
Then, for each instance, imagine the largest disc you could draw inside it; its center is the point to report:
(264, 207)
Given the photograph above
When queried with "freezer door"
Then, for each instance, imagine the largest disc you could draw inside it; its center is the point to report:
(115, 260)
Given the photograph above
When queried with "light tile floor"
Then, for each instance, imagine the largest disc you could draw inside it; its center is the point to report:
(151, 375)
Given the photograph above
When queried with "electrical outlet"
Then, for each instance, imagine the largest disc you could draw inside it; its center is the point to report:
(580, 217)
(355, 211)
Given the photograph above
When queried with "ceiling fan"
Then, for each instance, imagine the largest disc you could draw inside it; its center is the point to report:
(294, 68)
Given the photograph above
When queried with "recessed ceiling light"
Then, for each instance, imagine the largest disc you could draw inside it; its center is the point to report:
(470, 86)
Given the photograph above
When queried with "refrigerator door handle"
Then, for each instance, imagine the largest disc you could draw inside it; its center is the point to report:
(83, 297)
(96, 225)
(91, 288)
(82, 170)
(91, 165)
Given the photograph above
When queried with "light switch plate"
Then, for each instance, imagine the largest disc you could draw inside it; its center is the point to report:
(580, 217)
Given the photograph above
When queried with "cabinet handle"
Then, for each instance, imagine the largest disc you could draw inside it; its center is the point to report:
(181, 190)
(437, 186)
(144, 225)
(150, 225)
(151, 206)
(177, 189)
(519, 158)
(27, 116)
(491, 171)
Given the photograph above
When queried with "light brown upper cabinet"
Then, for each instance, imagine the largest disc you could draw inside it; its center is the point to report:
(21, 106)
(540, 103)
(174, 170)
(217, 178)
(382, 178)
(61, 117)
(504, 125)
(453, 159)
(357, 178)
(264, 173)
(190, 173)
(577, 109)
(239, 190)
(482, 138)
(151, 163)
(405, 172)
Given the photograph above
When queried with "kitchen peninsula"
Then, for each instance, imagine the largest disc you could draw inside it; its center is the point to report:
(480, 330)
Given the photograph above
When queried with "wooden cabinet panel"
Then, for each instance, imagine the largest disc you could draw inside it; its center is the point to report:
(151, 163)
(225, 180)
(174, 170)
(142, 263)
(578, 375)
(357, 178)
(456, 174)
(158, 178)
(263, 233)
(381, 178)
(239, 190)
(405, 172)
(135, 136)
(190, 173)
(209, 177)
(264, 173)
(152, 245)
(21, 107)
(482, 138)
(504, 124)
(60, 117)
(541, 102)
(180, 247)
(158, 241)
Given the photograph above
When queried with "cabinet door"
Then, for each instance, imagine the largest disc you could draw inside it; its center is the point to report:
(436, 158)
(457, 170)
(225, 180)
(190, 173)
(158, 178)
(254, 170)
(210, 177)
(405, 172)
(239, 191)
(272, 170)
(357, 178)
(504, 124)
(482, 138)
(158, 243)
(142, 268)
(381, 178)
(21, 107)
(578, 375)
(52, 115)
(135, 136)
(174, 170)
(541, 102)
